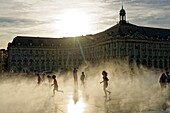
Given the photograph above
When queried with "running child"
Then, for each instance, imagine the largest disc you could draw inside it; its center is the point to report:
(105, 83)
(55, 84)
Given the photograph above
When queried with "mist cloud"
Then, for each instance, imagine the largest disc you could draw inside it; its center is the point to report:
(21, 93)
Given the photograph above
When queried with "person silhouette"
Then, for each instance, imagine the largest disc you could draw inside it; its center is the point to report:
(75, 77)
(55, 84)
(164, 78)
(82, 78)
(105, 83)
(38, 79)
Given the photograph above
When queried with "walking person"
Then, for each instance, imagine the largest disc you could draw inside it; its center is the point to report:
(82, 78)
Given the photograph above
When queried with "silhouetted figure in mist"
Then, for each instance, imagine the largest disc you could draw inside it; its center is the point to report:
(162, 81)
(39, 79)
(164, 78)
(82, 78)
(132, 74)
(49, 79)
(55, 84)
(105, 83)
(75, 77)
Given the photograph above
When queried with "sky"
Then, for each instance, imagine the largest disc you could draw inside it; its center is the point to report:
(65, 18)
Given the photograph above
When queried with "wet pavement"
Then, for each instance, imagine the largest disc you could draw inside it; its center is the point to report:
(25, 96)
(81, 102)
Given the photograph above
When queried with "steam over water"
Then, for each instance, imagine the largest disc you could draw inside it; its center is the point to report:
(142, 94)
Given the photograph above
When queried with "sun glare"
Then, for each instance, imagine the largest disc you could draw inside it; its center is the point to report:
(73, 23)
(75, 108)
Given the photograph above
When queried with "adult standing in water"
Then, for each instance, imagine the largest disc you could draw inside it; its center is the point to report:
(105, 83)
(75, 77)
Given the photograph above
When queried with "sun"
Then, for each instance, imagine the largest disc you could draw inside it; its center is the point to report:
(73, 23)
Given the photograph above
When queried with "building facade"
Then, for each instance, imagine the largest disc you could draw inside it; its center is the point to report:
(135, 44)
(3, 60)
(30, 54)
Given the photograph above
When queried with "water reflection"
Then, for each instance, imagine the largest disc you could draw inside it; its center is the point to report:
(75, 104)
(75, 96)
(106, 107)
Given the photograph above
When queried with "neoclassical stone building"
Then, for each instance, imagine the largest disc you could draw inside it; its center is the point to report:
(3, 60)
(135, 44)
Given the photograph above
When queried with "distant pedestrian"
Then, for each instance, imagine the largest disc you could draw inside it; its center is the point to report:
(164, 78)
(75, 77)
(55, 84)
(105, 83)
(132, 74)
(162, 81)
(82, 78)
(38, 79)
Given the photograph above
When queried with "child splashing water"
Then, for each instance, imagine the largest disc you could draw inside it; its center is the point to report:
(55, 84)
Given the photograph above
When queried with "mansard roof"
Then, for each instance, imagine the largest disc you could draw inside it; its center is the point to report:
(119, 30)
(38, 41)
(49, 42)
(124, 29)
